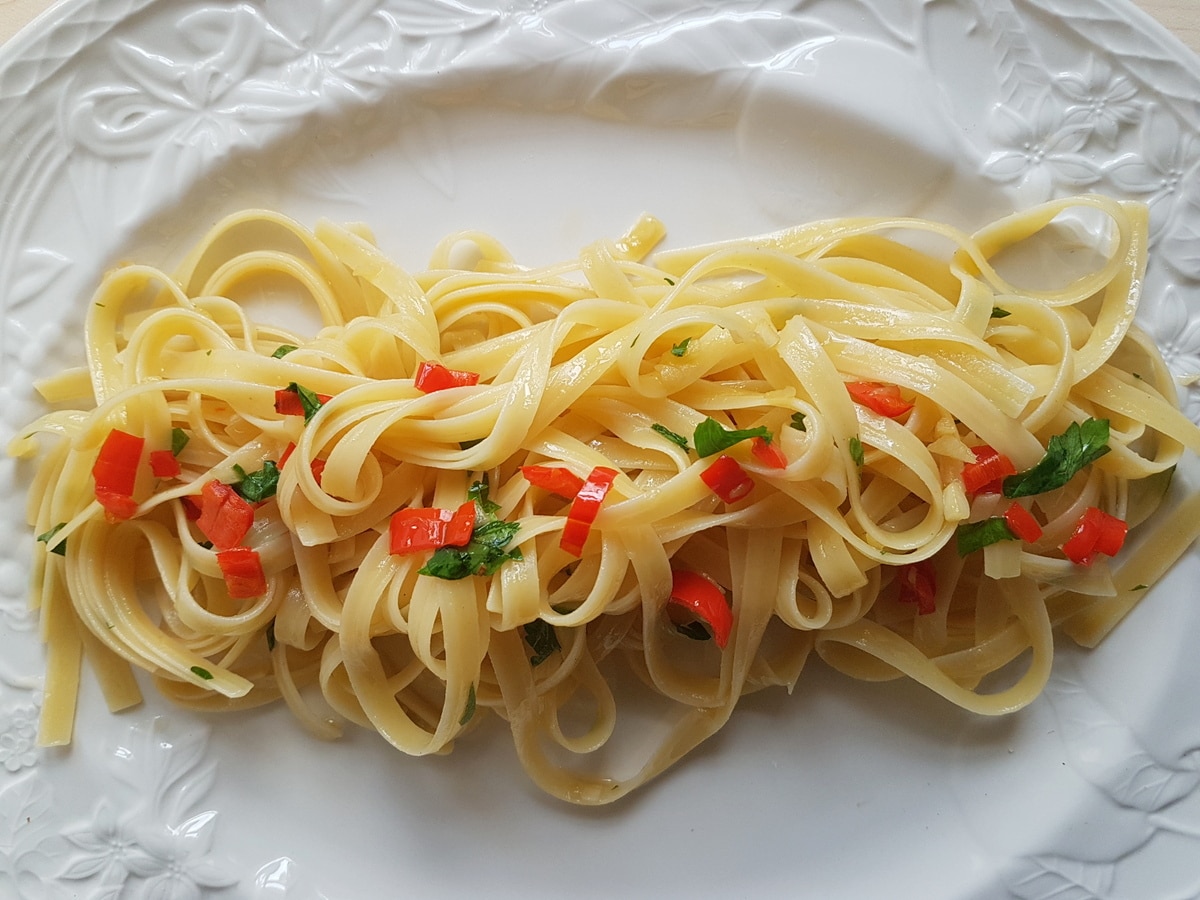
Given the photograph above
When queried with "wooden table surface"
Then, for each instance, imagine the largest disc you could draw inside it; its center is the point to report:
(1180, 16)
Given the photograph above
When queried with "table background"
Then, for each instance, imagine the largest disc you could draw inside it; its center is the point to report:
(1180, 16)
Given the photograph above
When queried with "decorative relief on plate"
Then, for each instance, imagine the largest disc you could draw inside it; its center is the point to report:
(174, 90)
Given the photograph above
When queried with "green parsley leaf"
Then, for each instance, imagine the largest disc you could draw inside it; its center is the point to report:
(711, 437)
(1066, 454)
(977, 535)
(670, 281)
(1139, 587)
(469, 709)
(484, 554)
(308, 400)
(283, 350)
(857, 453)
(60, 547)
(257, 486)
(202, 673)
(681, 348)
(671, 436)
(798, 422)
(542, 640)
(271, 635)
(694, 630)
(999, 312)
(179, 440)
(479, 493)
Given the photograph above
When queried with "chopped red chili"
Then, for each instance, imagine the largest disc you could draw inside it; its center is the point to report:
(556, 479)
(1022, 524)
(243, 572)
(984, 476)
(884, 399)
(705, 600)
(584, 508)
(432, 377)
(1096, 532)
(727, 479)
(414, 529)
(767, 453)
(115, 473)
(918, 584)
(164, 464)
(225, 517)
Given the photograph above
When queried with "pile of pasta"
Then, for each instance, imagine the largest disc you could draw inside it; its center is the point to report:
(494, 489)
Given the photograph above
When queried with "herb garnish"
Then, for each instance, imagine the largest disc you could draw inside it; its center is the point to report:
(61, 547)
(485, 553)
(257, 486)
(1066, 454)
(671, 436)
(711, 437)
(308, 400)
(283, 350)
(179, 440)
(977, 535)
(798, 421)
(542, 640)
(857, 453)
(681, 348)
(202, 673)
(469, 708)
(999, 312)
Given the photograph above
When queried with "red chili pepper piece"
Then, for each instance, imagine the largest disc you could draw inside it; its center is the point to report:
(984, 476)
(705, 600)
(727, 479)
(191, 508)
(243, 572)
(461, 525)
(884, 399)
(317, 467)
(918, 584)
(1021, 523)
(288, 402)
(584, 508)
(163, 464)
(414, 529)
(432, 377)
(768, 454)
(115, 473)
(225, 517)
(287, 453)
(1096, 532)
(556, 479)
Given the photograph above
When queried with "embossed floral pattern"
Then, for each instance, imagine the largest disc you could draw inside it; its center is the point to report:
(18, 737)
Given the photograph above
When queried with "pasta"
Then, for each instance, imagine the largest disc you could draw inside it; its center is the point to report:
(488, 487)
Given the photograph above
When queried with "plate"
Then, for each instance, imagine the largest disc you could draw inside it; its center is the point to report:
(126, 126)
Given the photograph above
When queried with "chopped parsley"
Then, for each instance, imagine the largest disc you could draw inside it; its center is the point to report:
(479, 493)
(670, 281)
(469, 709)
(271, 635)
(257, 486)
(999, 312)
(711, 437)
(977, 535)
(202, 673)
(283, 350)
(681, 348)
(798, 422)
(47, 538)
(179, 440)
(1066, 454)
(542, 640)
(857, 453)
(671, 436)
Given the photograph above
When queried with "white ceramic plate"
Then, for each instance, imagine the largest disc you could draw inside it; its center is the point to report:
(126, 126)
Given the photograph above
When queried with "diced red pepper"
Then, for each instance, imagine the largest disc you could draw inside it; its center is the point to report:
(115, 473)
(414, 529)
(1022, 524)
(287, 453)
(705, 600)
(918, 584)
(191, 507)
(225, 516)
(767, 453)
(288, 402)
(985, 475)
(584, 508)
(317, 467)
(556, 479)
(243, 571)
(433, 376)
(727, 479)
(884, 399)
(163, 464)
(1096, 532)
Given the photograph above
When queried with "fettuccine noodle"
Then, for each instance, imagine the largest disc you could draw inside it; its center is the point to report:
(847, 544)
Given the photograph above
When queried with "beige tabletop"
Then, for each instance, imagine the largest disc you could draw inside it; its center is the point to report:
(1180, 16)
